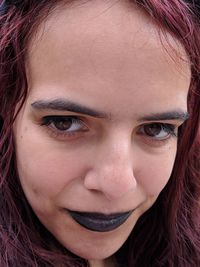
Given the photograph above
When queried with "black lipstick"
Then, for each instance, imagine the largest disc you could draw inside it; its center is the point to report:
(99, 222)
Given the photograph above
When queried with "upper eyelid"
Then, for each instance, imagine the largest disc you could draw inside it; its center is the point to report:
(164, 124)
(175, 123)
(61, 116)
(51, 119)
(75, 117)
(85, 120)
(146, 119)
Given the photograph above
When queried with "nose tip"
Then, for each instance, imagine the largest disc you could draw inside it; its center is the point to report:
(114, 181)
(112, 172)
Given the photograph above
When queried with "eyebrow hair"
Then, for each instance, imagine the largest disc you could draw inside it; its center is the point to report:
(169, 115)
(65, 105)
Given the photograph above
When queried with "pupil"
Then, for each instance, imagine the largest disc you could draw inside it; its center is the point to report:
(63, 124)
(152, 129)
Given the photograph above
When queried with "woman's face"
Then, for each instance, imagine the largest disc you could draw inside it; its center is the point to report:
(96, 137)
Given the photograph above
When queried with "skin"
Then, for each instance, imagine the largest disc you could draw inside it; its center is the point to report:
(106, 56)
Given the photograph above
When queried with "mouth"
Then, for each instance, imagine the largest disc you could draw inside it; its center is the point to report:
(99, 222)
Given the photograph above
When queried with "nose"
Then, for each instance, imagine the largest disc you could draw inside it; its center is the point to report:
(112, 173)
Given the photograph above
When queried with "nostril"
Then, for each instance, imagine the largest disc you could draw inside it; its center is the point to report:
(91, 181)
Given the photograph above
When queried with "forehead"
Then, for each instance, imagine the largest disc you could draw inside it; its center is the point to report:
(99, 45)
(103, 18)
(104, 23)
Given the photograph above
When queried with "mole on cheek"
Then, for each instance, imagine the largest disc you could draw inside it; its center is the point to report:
(35, 191)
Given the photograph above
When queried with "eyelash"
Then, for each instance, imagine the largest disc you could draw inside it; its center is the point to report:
(74, 122)
(78, 127)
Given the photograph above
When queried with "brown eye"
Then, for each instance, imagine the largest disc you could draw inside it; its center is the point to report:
(63, 124)
(66, 124)
(152, 129)
(158, 131)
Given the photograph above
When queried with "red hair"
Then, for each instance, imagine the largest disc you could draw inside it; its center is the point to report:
(168, 234)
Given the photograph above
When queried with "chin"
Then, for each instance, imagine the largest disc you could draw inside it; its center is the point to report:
(99, 249)
(96, 253)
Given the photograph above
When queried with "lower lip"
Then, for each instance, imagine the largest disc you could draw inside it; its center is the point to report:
(99, 222)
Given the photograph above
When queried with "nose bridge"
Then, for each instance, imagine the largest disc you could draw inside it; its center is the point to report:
(113, 171)
(116, 155)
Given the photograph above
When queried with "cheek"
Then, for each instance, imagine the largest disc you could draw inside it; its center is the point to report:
(45, 171)
(153, 171)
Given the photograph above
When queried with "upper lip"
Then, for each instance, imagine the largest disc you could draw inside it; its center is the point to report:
(101, 216)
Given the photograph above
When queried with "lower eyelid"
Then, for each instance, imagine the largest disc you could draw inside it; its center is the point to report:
(156, 143)
(63, 136)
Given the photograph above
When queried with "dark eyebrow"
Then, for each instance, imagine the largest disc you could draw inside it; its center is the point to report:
(65, 105)
(169, 115)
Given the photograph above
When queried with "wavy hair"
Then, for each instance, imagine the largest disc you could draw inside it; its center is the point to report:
(168, 234)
